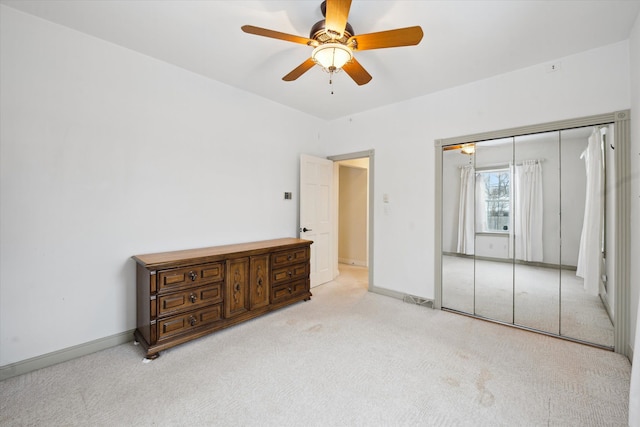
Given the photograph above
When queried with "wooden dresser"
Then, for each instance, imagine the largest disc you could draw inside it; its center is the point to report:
(187, 294)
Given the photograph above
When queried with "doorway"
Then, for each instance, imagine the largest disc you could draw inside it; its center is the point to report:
(353, 226)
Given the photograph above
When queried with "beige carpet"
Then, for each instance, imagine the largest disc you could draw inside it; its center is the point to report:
(345, 358)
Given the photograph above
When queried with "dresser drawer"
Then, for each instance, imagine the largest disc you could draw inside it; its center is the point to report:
(288, 290)
(292, 256)
(183, 323)
(196, 275)
(292, 272)
(189, 300)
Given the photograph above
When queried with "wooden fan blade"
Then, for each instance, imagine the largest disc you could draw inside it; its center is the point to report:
(409, 36)
(277, 35)
(357, 72)
(299, 70)
(336, 16)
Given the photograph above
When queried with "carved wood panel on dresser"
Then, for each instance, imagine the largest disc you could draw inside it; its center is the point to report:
(184, 295)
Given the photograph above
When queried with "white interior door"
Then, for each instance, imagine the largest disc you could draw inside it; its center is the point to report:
(316, 214)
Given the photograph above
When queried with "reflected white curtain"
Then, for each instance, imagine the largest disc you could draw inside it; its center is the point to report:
(590, 254)
(527, 210)
(466, 212)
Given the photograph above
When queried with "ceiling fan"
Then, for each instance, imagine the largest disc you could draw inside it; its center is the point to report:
(334, 42)
(468, 148)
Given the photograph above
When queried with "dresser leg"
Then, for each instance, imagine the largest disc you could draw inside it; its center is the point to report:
(150, 358)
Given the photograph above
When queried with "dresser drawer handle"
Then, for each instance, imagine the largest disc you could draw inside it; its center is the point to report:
(259, 287)
(289, 289)
(289, 257)
(193, 275)
(236, 289)
(290, 273)
(192, 321)
(193, 298)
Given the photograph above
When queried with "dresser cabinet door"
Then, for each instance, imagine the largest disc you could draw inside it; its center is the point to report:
(236, 300)
(259, 282)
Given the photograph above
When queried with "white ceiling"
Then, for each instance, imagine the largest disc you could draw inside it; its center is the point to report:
(464, 41)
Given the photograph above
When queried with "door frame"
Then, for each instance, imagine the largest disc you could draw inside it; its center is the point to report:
(370, 154)
(621, 121)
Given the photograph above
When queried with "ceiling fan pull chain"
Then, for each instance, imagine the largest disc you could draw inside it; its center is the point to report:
(331, 81)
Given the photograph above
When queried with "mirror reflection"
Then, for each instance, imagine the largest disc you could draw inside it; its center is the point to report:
(524, 238)
(587, 161)
(493, 261)
(457, 245)
(536, 232)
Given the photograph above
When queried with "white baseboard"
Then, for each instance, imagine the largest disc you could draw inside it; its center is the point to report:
(53, 358)
(387, 292)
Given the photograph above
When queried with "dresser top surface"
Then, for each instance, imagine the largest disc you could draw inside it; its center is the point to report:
(176, 258)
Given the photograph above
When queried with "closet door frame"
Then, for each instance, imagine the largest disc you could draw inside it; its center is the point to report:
(621, 121)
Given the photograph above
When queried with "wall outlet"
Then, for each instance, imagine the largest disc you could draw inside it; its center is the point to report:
(288, 195)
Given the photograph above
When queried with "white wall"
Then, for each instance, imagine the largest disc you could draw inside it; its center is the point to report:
(403, 135)
(105, 154)
(634, 255)
(352, 214)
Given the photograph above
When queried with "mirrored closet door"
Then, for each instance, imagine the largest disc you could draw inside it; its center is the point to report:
(494, 265)
(536, 231)
(458, 229)
(527, 231)
(586, 227)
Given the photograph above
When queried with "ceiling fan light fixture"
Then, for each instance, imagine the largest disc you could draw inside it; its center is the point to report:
(469, 149)
(332, 56)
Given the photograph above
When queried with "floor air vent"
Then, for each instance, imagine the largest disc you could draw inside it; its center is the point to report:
(418, 301)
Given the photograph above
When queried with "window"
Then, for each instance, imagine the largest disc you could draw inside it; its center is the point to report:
(494, 189)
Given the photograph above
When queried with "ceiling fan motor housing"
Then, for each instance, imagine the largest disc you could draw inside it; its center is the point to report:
(320, 33)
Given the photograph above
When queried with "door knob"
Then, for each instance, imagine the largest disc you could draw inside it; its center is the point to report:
(305, 229)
